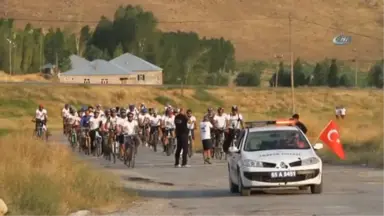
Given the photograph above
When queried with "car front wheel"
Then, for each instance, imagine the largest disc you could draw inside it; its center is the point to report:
(317, 189)
(232, 187)
(243, 191)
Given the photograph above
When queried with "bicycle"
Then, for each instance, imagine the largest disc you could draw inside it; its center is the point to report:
(86, 141)
(98, 144)
(170, 140)
(190, 147)
(111, 146)
(130, 150)
(213, 138)
(154, 138)
(219, 145)
(73, 138)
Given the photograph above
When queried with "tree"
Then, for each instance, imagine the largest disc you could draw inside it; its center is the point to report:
(345, 81)
(320, 76)
(333, 79)
(118, 51)
(93, 52)
(249, 78)
(375, 75)
(299, 77)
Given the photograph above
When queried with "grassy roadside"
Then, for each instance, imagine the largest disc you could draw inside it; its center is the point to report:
(37, 179)
(361, 131)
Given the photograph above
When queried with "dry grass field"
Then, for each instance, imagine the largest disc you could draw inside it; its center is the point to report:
(40, 180)
(258, 28)
(21, 78)
(361, 131)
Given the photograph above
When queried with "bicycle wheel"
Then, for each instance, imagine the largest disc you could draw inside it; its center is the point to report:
(155, 141)
(190, 149)
(99, 149)
(133, 156)
(89, 146)
(169, 147)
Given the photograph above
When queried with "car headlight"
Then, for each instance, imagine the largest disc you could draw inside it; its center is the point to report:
(252, 163)
(310, 161)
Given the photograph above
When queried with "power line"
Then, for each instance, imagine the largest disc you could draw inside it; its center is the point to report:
(207, 21)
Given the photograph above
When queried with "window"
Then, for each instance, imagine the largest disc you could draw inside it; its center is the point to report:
(140, 77)
(272, 140)
(123, 80)
(104, 81)
(86, 81)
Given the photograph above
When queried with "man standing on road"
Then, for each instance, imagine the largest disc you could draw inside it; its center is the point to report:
(181, 122)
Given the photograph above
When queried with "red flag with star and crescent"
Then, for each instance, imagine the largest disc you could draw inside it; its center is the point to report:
(331, 137)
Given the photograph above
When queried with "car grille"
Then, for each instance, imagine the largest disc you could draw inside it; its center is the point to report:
(295, 164)
(269, 165)
(266, 176)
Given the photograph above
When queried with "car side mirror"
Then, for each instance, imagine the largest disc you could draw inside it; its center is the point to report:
(233, 149)
(318, 146)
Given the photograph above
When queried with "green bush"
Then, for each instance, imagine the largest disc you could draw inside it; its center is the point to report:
(164, 100)
(204, 96)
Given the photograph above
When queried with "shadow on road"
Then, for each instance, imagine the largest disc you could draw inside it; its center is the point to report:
(181, 194)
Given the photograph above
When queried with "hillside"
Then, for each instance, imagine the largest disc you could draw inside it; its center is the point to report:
(258, 28)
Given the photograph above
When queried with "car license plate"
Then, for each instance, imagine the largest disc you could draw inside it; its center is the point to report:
(283, 174)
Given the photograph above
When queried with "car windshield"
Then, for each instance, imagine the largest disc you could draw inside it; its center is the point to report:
(272, 140)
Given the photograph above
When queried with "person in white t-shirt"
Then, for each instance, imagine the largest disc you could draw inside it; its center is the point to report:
(41, 117)
(64, 115)
(191, 124)
(144, 120)
(220, 124)
(101, 112)
(155, 122)
(129, 128)
(206, 138)
(94, 126)
(168, 125)
(235, 123)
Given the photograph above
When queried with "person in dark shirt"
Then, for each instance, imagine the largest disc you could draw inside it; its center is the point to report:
(181, 122)
(299, 124)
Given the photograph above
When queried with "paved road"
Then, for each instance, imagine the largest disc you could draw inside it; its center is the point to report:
(203, 190)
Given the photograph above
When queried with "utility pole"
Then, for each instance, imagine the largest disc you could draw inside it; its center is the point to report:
(291, 53)
(279, 57)
(356, 66)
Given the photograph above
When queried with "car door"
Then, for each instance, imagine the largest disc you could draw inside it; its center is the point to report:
(236, 157)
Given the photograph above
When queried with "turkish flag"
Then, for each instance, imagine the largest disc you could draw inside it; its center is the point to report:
(331, 137)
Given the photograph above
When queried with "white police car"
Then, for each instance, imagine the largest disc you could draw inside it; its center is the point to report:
(272, 156)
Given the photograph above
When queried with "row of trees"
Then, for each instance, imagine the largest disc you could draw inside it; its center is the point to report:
(184, 56)
(324, 73)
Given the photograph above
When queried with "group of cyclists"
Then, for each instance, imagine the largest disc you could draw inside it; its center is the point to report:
(129, 127)
(117, 132)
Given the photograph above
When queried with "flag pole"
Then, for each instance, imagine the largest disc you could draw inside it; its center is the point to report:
(321, 132)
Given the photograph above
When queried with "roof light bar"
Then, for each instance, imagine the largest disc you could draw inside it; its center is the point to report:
(253, 124)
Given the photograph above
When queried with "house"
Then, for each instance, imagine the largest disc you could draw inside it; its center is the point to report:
(125, 69)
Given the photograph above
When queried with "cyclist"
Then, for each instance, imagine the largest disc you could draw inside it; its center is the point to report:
(41, 117)
(235, 123)
(144, 119)
(95, 123)
(220, 124)
(168, 125)
(155, 122)
(132, 109)
(99, 108)
(191, 124)
(91, 111)
(206, 139)
(128, 127)
(211, 115)
(64, 114)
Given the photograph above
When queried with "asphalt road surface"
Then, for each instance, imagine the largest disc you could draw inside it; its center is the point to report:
(203, 190)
